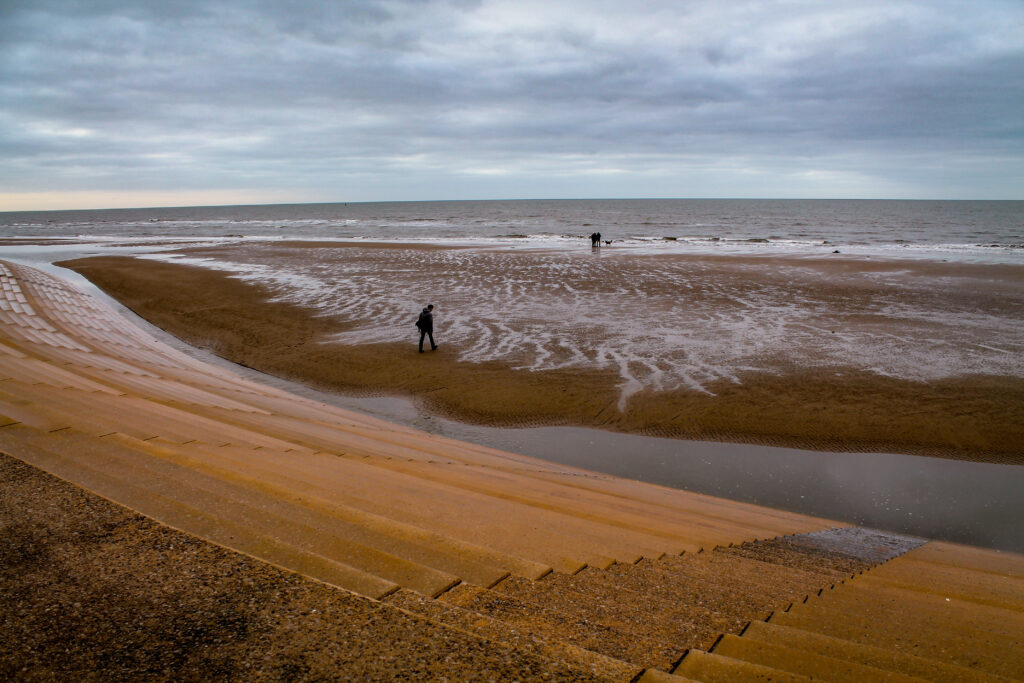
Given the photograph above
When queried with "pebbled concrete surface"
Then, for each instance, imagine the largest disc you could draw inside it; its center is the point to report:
(92, 591)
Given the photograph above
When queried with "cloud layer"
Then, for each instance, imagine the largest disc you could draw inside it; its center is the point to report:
(382, 99)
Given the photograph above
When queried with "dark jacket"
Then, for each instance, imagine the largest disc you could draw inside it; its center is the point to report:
(426, 321)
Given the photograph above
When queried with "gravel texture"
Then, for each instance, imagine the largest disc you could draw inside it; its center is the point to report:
(92, 591)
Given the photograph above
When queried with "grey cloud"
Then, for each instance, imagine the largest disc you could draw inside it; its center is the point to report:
(284, 93)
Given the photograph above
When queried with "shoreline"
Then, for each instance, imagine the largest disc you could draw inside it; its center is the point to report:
(853, 488)
(966, 418)
(899, 493)
(992, 257)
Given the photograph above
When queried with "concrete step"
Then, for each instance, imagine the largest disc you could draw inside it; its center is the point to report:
(33, 371)
(322, 493)
(600, 666)
(788, 556)
(413, 502)
(408, 556)
(658, 676)
(982, 587)
(860, 543)
(555, 625)
(627, 611)
(222, 382)
(506, 477)
(94, 591)
(767, 521)
(18, 411)
(804, 663)
(777, 581)
(341, 437)
(81, 361)
(877, 657)
(710, 668)
(191, 519)
(880, 599)
(5, 348)
(998, 562)
(101, 413)
(468, 562)
(313, 530)
(903, 631)
(182, 395)
(467, 516)
(845, 563)
(745, 580)
(670, 592)
(647, 536)
(243, 508)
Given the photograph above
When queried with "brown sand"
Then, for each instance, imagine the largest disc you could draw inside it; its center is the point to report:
(971, 417)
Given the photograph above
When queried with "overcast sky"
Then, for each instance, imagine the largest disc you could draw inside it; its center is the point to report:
(125, 103)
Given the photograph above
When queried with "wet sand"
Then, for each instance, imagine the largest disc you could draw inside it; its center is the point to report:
(970, 416)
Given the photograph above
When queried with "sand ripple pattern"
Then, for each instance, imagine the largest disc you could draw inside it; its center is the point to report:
(661, 322)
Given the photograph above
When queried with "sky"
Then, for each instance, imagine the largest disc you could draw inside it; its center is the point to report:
(172, 103)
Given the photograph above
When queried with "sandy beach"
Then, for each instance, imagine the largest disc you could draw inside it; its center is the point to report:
(929, 379)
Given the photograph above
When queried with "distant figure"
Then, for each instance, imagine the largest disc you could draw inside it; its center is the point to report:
(595, 239)
(426, 325)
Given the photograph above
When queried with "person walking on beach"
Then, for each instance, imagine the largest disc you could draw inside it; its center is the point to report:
(426, 325)
(595, 239)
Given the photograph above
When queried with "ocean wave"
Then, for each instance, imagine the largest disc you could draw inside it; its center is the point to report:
(969, 231)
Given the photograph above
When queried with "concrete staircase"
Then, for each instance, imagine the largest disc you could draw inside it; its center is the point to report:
(610, 578)
(650, 614)
(941, 612)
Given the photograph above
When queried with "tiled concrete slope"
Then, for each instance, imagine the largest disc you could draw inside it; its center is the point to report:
(354, 501)
(90, 591)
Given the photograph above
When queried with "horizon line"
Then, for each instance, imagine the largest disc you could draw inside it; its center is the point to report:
(507, 199)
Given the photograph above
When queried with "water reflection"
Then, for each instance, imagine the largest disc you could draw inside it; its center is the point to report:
(966, 502)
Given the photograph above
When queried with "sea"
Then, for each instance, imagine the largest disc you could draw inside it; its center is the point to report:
(976, 231)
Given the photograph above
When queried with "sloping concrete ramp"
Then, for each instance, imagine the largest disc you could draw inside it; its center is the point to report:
(357, 502)
(609, 577)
